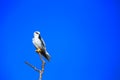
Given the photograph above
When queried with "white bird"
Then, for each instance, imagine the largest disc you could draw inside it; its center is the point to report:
(40, 45)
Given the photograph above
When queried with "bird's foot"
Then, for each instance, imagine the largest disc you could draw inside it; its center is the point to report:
(38, 50)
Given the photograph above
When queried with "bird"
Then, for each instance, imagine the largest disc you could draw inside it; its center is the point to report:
(40, 45)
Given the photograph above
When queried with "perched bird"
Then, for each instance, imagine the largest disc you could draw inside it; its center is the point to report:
(40, 45)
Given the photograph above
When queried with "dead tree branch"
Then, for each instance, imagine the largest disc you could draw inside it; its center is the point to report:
(36, 69)
(42, 67)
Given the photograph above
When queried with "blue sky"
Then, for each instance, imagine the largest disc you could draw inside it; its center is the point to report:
(82, 37)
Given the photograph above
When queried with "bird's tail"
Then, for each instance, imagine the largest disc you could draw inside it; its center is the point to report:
(46, 55)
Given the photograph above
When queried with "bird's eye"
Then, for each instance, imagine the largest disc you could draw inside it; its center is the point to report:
(36, 32)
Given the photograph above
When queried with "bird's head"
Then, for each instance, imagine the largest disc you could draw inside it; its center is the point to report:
(36, 34)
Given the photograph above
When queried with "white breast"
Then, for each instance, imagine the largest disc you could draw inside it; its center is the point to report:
(37, 42)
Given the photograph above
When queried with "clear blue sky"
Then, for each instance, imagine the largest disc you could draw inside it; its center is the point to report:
(82, 37)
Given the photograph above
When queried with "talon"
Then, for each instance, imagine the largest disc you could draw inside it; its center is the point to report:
(38, 50)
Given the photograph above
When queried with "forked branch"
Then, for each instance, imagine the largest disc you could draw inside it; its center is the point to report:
(36, 69)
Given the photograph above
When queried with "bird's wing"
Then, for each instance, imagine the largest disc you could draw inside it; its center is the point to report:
(43, 43)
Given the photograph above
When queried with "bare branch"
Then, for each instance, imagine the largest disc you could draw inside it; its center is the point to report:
(43, 66)
(36, 69)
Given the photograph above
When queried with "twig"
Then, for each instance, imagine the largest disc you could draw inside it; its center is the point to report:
(36, 69)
